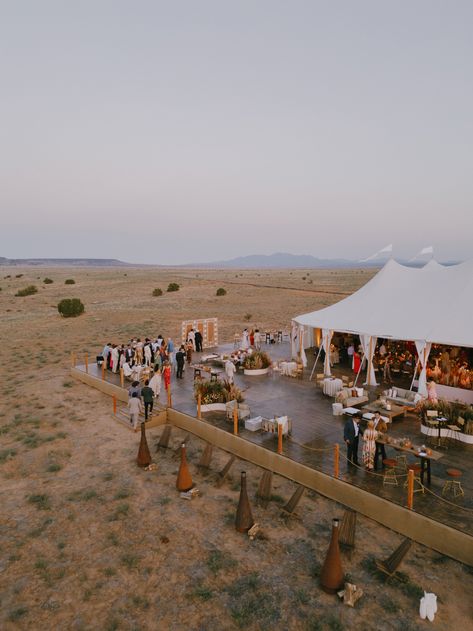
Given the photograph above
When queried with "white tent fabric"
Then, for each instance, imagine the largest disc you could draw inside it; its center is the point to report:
(368, 342)
(326, 341)
(423, 350)
(433, 303)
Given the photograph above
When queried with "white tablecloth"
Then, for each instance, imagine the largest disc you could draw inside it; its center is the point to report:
(288, 368)
(332, 386)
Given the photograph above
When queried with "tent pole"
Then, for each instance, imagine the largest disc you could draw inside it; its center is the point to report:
(415, 373)
(359, 369)
(315, 363)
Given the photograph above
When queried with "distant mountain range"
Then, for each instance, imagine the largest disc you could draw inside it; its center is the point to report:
(66, 262)
(284, 260)
(278, 260)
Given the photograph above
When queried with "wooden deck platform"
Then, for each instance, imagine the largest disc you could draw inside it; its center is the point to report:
(316, 430)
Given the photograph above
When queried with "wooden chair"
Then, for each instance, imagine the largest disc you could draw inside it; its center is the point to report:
(319, 378)
(432, 422)
(455, 429)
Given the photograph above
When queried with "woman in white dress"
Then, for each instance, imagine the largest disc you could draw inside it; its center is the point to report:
(155, 383)
(245, 340)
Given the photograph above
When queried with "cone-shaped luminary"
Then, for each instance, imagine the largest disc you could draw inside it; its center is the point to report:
(144, 457)
(184, 478)
(331, 576)
(244, 518)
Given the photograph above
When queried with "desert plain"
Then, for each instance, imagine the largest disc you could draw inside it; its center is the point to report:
(88, 541)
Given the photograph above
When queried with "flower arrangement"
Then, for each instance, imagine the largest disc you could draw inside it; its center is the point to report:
(257, 360)
(217, 392)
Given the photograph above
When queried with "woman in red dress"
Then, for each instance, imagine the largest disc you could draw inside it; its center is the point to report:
(356, 362)
(167, 375)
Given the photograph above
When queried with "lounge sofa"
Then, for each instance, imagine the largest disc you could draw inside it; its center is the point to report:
(352, 397)
(400, 396)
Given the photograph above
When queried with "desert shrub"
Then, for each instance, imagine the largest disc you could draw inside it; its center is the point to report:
(257, 361)
(48, 281)
(158, 292)
(247, 317)
(173, 287)
(217, 392)
(27, 291)
(221, 292)
(70, 307)
(19, 275)
(69, 281)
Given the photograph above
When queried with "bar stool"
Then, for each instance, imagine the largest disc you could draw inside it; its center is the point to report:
(401, 462)
(416, 468)
(453, 485)
(389, 476)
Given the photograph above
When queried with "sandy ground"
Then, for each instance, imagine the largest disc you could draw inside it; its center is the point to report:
(89, 541)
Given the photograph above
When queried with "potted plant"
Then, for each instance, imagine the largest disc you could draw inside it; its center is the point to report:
(258, 363)
(216, 394)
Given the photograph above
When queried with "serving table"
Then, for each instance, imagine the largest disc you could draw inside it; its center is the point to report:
(331, 386)
(425, 457)
(378, 406)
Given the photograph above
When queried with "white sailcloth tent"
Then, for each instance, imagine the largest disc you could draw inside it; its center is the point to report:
(432, 304)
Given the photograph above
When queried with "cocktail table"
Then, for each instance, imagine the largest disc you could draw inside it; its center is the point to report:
(378, 406)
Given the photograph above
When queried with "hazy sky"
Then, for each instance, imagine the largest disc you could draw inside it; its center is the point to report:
(168, 132)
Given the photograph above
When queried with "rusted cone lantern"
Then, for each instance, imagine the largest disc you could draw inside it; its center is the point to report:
(244, 518)
(144, 457)
(184, 478)
(331, 576)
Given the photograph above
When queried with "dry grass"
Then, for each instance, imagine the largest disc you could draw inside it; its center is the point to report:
(89, 541)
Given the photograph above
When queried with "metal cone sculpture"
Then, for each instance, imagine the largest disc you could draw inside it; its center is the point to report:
(244, 518)
(331, 576)
(184, 478)
(144, 457)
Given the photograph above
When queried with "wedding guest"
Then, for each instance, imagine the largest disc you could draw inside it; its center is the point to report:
(257, 339)
(155, 383)
(180, 359)
(167, 374)
(369, 446)
(147, 394)
(135, 407)
(245, 339)
(170, 351)
(191, 338)
(198, 341)
(351, 437)
(230, 370)
(114, 360)
(189, 349)
(134, 388)
(381, 427)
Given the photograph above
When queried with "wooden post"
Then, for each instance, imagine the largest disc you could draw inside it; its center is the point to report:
(103, 371)
(410, 489)
(73, 360)
(235, 420)
(280, 439)
(169, 397)
(336, 460)
(86, 358)
(114, 404)
(122, 378)
(199, 406)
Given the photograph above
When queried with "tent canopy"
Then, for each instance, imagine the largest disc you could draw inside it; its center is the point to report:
(433, 303)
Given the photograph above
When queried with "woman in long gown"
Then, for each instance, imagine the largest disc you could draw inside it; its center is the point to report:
(167, 374)
(369, 446)
(155, 383)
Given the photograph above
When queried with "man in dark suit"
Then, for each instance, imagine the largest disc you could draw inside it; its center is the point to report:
(351, 433)
(198, 341)
(180, 359)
